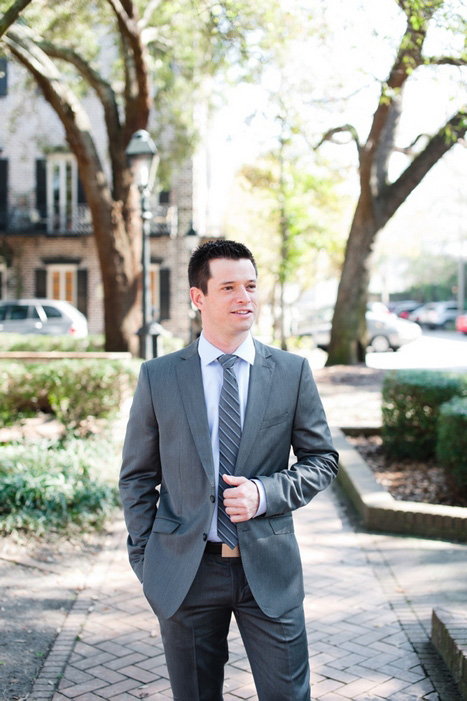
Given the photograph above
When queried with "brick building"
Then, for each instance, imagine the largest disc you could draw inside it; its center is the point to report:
(47, 248)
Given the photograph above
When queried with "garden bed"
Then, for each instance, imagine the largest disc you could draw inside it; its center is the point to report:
(407, 479)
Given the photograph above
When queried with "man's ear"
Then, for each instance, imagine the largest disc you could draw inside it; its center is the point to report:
(197, 297)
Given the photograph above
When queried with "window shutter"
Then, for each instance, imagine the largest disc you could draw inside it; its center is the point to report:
(40, 282)
(41, 192)
(3, 193)
(164, 281)
(82, 291)
(3, 76)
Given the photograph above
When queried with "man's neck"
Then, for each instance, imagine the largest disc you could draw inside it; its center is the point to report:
(227, 346)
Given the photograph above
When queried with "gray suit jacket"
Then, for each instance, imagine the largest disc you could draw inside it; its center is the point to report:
(167, 477)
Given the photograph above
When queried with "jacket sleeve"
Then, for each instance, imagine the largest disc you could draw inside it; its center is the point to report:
(140, 473)
(317, 460)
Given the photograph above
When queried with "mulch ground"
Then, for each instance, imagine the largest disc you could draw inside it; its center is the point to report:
(408, 479)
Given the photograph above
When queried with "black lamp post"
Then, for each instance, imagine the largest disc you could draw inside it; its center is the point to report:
(143, 161)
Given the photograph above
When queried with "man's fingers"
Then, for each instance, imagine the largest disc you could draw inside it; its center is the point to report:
(234, 480)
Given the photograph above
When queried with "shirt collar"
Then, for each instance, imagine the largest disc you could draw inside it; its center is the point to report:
(208, 353)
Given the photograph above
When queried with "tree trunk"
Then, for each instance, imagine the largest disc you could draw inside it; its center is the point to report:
(348, 337)
(120, 263)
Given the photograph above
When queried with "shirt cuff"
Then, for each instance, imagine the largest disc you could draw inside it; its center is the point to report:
(262, 498)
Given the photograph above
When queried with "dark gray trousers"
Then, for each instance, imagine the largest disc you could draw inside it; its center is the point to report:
(195, 639)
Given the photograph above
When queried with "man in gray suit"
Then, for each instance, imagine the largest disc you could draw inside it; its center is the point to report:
(208, 490)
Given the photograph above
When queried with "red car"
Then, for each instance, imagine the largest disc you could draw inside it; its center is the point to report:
(461, 323)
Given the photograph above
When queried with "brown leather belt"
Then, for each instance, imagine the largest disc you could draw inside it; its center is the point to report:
(221, 549)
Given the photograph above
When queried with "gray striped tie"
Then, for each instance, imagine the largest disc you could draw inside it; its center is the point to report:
(230, 431)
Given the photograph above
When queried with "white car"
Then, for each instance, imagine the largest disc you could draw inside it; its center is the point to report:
(43, 316)
(386, 331)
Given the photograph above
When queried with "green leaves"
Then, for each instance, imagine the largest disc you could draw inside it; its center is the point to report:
(71, 389)
(49, 486)
(411, 405)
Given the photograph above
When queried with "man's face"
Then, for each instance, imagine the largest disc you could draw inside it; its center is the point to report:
(228, 309)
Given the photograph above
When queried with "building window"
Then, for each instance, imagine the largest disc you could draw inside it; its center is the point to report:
(62, 283)
(62, 189)
(154, 286)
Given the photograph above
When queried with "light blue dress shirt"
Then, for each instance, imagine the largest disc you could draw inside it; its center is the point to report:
(213, 376)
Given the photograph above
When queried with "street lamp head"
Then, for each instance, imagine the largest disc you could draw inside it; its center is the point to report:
(143, 160)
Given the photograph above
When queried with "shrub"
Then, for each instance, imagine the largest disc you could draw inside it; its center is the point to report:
(451, 445)
(42, 342)
(49, 486)
(411, 404)
(71, 389)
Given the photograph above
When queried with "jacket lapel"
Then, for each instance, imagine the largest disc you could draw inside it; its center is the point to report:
(190, 383)
(259, 391)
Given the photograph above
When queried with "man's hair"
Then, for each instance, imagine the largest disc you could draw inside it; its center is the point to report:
(199, 271)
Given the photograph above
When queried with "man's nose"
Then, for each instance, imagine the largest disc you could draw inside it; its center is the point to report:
(243, 295)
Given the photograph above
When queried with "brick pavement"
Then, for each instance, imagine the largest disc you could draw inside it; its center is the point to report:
(366, 641)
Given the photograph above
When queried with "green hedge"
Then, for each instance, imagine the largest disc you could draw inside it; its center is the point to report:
(451, 446)
(411, 405)
(10, 342)
(49, 486)
(71, 389)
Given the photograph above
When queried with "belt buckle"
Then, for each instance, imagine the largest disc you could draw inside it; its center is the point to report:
(227, 551)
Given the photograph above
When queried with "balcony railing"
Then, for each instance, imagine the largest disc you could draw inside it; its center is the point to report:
(164, 221)
(21, 220)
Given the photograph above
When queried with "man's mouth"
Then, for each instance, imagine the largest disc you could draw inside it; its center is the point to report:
(242, 312)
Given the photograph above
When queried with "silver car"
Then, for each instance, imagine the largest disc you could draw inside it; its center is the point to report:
(386, 331)
(436, 315)
(44, 316)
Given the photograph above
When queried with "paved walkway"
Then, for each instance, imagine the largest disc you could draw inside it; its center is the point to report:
(368, 608)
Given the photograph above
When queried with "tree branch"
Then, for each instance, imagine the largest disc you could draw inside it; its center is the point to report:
(128, 23)
(106, 95)
(408, 150)
(137, 97)
(103, 89)
(21, 42)
(349, 128)
(12, 14)
(150, 8)
(395, 194)
(444, 61)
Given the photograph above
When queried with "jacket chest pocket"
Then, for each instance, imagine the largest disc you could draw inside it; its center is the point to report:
(275, 420)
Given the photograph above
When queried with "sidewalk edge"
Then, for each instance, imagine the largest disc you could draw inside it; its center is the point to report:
(50, 674)
(381, 512)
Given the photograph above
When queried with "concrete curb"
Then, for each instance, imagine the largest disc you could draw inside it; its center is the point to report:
(449, 636)
(381, 512)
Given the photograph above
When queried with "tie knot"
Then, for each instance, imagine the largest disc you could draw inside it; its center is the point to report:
(227, 361)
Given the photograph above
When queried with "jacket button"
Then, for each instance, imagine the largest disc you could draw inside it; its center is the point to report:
(213, 498)
(205, 536)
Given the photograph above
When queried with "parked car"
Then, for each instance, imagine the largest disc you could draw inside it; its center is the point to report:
(461, 323)
(405, 307)
(43, 316)
(385, 330)
(435, 315)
